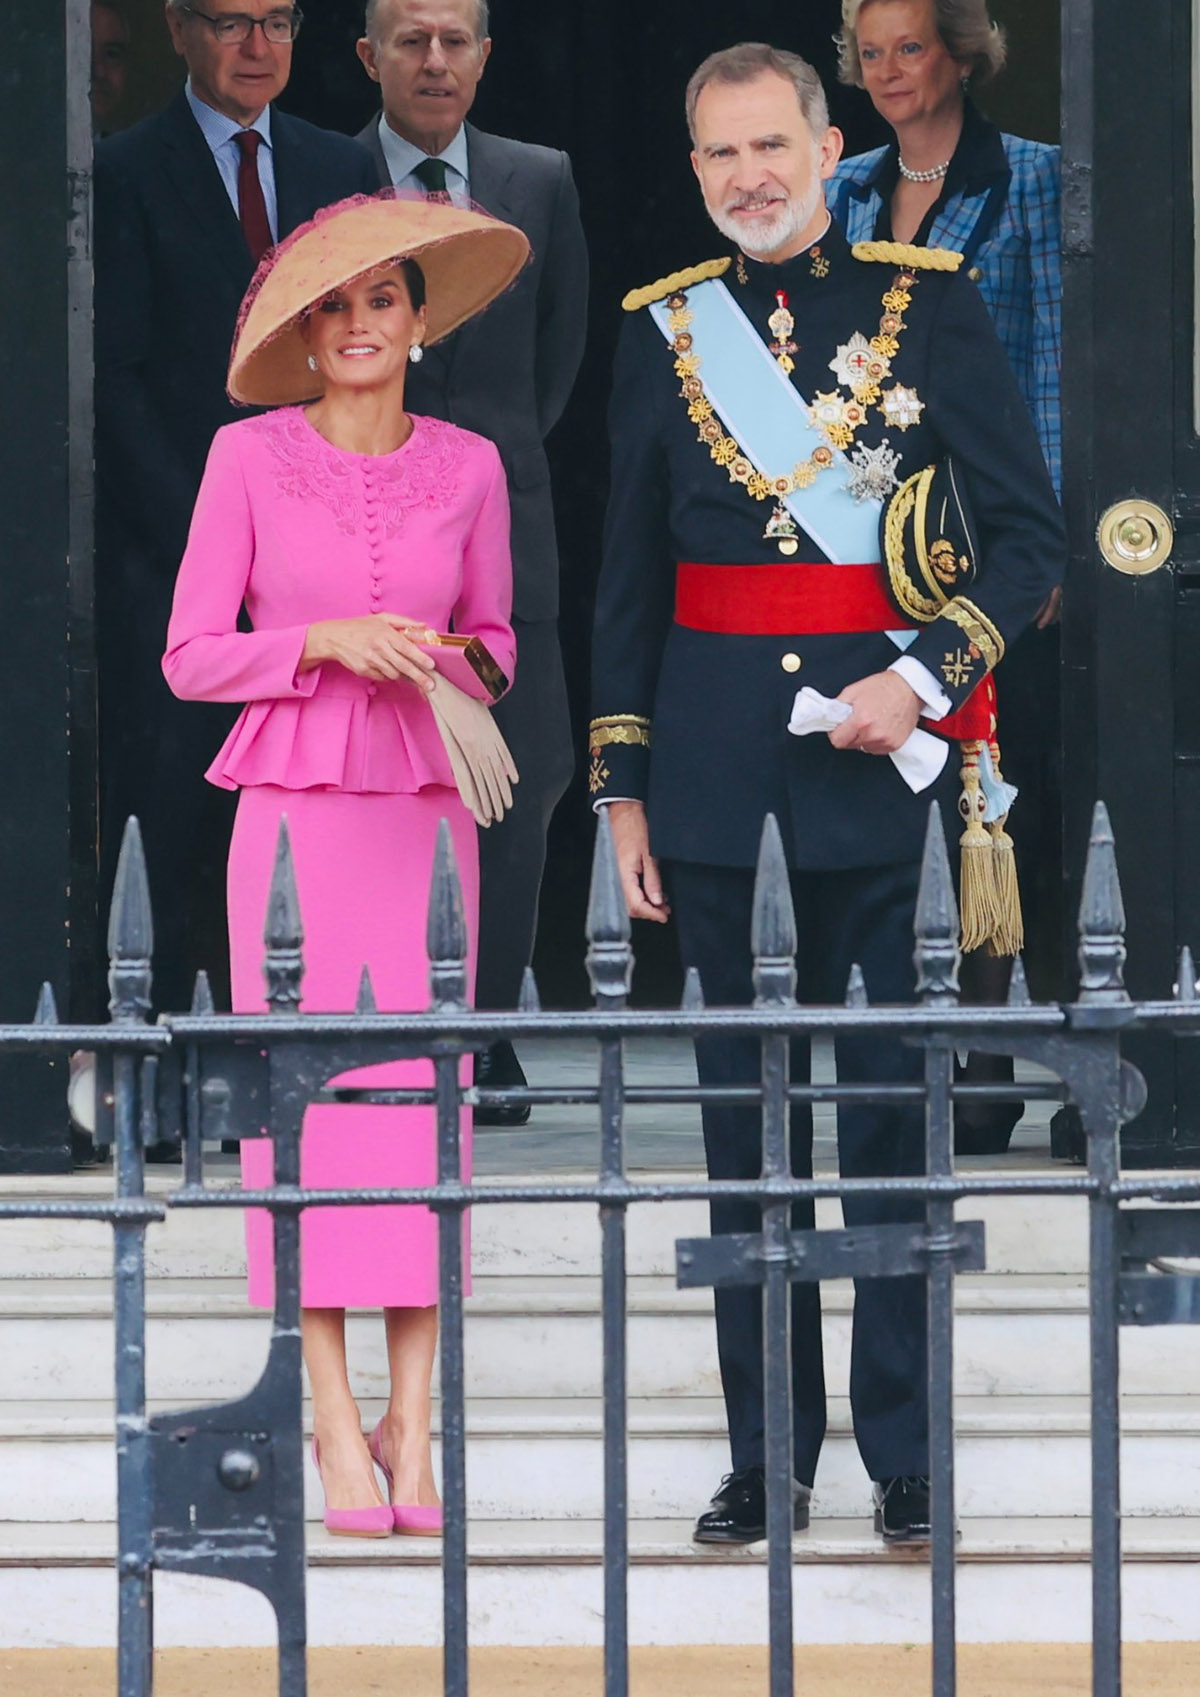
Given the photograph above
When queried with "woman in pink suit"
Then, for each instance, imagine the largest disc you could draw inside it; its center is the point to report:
(341, 526)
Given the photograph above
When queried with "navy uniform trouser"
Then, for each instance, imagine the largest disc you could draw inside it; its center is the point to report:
(864, 916)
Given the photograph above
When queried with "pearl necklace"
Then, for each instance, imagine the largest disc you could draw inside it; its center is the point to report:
(931, 176)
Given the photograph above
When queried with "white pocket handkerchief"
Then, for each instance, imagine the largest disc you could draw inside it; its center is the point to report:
(919, 760)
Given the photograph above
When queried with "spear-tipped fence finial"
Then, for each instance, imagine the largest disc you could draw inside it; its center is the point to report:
(1018, 985)
(1102, 918)
(1185, 980)
(773, 923)
(130, 932)
(609, 952)
(202, 997)
(283, 933)
(365, 1002)
(856, 988)
(529, 1000)
(937, 953)
(46, 1012)
(693, 992)
(446, 931)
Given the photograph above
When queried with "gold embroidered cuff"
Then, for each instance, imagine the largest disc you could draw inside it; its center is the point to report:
(977, 628)
(627, 729)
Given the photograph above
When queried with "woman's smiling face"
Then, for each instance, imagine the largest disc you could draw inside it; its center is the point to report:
(360, 335)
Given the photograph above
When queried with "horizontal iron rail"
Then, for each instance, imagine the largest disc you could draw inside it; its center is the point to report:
(139, 1039)
(695, 1095)
(755, 1190)
(466, 1028)
(109, 1213)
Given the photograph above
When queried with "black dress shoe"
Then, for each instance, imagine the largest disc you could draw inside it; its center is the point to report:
(168, 1153)
(902, 1510)
(985, 1128)
(738, 1512)
(498, 1068)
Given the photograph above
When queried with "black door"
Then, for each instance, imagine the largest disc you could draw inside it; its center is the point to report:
(1131, 638)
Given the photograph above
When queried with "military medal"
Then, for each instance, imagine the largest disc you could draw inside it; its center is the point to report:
(861, 365)
(901, 407)
(781, 324)
(781, 529)
(873, 472)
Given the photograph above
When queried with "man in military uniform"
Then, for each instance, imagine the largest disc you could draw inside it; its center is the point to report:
(765, 406)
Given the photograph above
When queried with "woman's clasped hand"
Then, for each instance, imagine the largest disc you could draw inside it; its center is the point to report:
(378, 646)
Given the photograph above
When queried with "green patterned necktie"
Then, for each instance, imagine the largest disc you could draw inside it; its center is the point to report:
(431, 174)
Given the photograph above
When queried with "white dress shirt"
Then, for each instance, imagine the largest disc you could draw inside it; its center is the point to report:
(402, 158)
(219, 132)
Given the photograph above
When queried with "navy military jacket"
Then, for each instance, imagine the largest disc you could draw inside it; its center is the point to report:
(695, 722)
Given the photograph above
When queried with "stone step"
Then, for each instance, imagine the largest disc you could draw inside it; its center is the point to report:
(1028, 1235)
(543, 1460)
(1016, 1335)
(536, 1583)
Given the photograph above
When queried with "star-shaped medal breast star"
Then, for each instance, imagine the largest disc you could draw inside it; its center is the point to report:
(873, 472)
(901, 407)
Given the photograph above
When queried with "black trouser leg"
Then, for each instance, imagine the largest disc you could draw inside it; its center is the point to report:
(864, 916)
(867, 917)
(712, 908)
(535, 722)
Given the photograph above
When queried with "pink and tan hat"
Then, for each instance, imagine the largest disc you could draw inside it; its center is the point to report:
(468, 259)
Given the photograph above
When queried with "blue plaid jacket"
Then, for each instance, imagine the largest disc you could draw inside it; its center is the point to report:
(1004, 220)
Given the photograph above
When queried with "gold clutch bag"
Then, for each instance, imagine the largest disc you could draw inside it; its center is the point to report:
(464, 661)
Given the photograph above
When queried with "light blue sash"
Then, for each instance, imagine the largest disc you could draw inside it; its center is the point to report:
(762, 409)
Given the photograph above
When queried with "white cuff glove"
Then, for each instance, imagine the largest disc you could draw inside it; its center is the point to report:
(479, 759)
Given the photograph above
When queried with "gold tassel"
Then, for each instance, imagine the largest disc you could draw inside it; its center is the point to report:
(977, 879)
(1009, 936)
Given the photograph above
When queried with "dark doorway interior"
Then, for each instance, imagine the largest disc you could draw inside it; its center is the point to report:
(606, 83)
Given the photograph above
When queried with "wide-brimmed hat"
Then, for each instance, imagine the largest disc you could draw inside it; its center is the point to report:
(468, 259)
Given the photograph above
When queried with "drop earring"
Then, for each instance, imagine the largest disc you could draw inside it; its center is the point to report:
(416, 354)
(312, 362)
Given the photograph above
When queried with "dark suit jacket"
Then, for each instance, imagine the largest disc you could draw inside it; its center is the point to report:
(509, 373)
(171, 267)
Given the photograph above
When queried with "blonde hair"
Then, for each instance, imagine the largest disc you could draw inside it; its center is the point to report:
(966, 30)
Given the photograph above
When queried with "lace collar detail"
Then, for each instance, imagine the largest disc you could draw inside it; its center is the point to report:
(424, 473)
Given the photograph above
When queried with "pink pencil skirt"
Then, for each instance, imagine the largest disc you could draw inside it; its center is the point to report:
(363, 870)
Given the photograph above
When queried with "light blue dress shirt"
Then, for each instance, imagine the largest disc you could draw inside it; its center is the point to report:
(402, 157)
(219, 132)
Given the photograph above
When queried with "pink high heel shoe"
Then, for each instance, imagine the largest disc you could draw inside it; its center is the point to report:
(373, 1522)
(415, 1518)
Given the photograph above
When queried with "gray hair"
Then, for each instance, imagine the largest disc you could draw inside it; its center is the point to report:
(374, 7)
(750, 60)
(967, 32)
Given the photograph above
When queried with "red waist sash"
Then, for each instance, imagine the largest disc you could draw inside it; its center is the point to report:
(811, 599)
(792, 600)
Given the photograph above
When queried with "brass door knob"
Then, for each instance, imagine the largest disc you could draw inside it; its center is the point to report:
(1136, 537)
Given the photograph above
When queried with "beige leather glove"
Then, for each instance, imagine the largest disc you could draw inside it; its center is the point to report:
(479, 758)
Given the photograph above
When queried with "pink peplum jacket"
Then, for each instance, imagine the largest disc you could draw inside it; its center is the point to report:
(300, 531)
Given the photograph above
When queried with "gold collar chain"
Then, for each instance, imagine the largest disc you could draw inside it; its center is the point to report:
(860, 365)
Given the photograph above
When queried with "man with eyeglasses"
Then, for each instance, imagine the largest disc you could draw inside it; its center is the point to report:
(186, 204)
(508, 375)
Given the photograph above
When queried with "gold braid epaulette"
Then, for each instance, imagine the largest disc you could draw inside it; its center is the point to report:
(904, 253)
(636, 299)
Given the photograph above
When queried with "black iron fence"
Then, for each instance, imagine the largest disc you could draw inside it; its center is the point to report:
(218, 1490)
